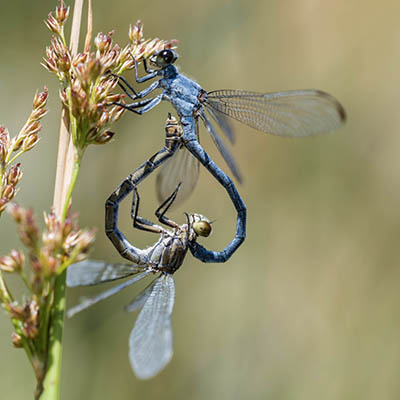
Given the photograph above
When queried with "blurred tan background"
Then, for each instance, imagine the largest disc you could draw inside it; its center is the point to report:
(309, 306)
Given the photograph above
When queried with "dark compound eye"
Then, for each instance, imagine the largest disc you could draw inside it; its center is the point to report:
(165, 57)
(168, 56)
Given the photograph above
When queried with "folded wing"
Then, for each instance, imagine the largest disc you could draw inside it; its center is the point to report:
(150, 342)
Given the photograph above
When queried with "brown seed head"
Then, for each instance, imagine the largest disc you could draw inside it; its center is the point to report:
(38, 113)
(53, 24)
(16, 340)
(14, 174)
(3, 204)
(18, 258)
(67, 227)
(30, 331)
(40, 98)
(30, 142)
(7, 264)
(8, 192)
(28, 230)
(31, 321)
(36, 264)
(37, 284)
(4, 135)
(16, 311)
(104, 138)
(62, 14)
(30, 128)
(52, 264)
(3, 153)
(136, 32)
(102, 42)
(95, 69)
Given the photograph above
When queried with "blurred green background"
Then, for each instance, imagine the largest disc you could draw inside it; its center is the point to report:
(309, 306)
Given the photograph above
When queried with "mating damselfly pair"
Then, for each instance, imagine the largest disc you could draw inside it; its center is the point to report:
(293, 113)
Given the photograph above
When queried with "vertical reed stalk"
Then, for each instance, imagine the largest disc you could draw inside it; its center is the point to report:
(68, 164)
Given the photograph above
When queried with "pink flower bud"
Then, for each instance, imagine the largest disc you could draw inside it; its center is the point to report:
(40, 98)
(18, 258)
(16, 340)
(7, 264)
(17, 212)
(8, 192)
(30, 142)
(105, 137)
(102, 42)
(3, 152)
(14, 174)
(136, 32)
(62, 14)
(53, 24)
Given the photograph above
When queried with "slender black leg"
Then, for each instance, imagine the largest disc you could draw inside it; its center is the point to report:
(121, 78)
(147, 104)
(139, 222)
(151, 74)
(164, 207)
(127, 186)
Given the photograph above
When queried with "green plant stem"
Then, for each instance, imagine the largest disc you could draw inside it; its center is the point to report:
(51, 383)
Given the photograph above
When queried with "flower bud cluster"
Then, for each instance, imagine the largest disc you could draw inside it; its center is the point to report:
(48, 253)
(88, 79)
(11, 148)
(27, 317)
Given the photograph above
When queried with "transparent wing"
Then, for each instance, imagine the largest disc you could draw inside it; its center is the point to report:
(140, 299)
(292, 113)
(93, 272)
(150, 342)
(223, 123)
(181, 168)
(225, 153)
(87, 302)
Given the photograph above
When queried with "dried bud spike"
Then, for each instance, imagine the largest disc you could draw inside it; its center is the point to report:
(40, 98)
(102, 42)
(64, 63)
(53, 24)
(62, 13)
(8, 192)
(16, 340)
(16, 212)
(14, 174)
(7, 264)
(18, 258)
(136, 32)
(16, 310)
(3, 204)
(3, 153)
(4, 135)
(67, 227)
(30, 331)
(30, 142)
(105, 137)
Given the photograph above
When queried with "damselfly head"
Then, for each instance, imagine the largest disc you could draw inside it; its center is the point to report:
(164, 58)
(200, 224)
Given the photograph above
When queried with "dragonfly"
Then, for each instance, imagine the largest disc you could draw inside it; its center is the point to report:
(150, 342)
(294, 113)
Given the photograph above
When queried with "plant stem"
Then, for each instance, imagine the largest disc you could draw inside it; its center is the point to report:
(67, 171)
(51, 383)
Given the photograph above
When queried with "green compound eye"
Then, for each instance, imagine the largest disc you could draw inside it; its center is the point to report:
(202, 228)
